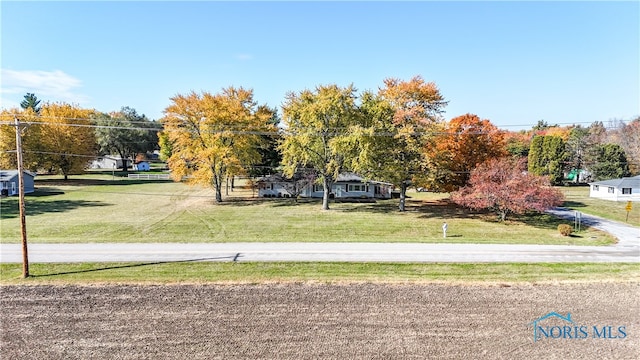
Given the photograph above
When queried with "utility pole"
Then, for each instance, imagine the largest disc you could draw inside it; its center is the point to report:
(23, 223)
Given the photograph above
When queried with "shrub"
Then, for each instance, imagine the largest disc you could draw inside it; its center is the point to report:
(565, 229)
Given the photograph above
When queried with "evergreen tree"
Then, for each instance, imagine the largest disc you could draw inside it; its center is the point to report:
(547, 157)
(610, 162)
(31, 102)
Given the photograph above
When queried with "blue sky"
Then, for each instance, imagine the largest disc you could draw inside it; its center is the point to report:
(513, 63)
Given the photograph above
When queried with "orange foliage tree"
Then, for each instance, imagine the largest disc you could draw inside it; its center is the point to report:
(466, 142)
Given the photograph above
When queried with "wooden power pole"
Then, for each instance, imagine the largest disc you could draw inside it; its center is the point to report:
(23, 223)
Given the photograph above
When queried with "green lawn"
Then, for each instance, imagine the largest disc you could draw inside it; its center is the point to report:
(577, 198)
(228, 272)
(101, 208)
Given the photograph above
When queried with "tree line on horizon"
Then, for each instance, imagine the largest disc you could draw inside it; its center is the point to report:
(396, 134)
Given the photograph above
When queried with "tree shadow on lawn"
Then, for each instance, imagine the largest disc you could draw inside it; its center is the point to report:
(10, 208)
(442, 208)
(573, 204)
(129, 266)
(96, 182)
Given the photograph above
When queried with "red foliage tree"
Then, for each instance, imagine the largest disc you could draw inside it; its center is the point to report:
(503, 185)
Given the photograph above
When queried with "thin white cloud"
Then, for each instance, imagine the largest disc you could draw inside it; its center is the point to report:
(46, 85)
(244, 57)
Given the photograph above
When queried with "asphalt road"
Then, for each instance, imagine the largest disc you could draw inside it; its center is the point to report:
(626, 250)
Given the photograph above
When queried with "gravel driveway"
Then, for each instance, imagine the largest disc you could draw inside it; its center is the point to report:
(315, 321)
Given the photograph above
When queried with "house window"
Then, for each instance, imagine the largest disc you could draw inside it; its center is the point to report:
(317, 188)
(596, 187)
(357, 187)
(626, 191)
(611, 190)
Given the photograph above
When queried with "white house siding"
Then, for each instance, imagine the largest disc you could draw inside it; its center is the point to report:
(273, 189)
(353, 187)
(625, 189)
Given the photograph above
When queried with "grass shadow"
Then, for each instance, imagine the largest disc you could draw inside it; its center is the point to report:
(10, 207)
(96, 182)
(574, 204)
(130, 266)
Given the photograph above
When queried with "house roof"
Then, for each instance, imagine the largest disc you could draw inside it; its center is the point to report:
(6, 175)
(625, 182)
(343, 177)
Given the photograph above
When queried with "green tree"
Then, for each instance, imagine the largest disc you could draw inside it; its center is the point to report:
(127, 134)
(213, 137)
(610, 162)
(271, 156)
(31, 102)
(547, 157)
(577, 146)
(317, 126)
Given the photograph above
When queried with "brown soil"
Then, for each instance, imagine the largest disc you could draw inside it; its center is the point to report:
(314, 321)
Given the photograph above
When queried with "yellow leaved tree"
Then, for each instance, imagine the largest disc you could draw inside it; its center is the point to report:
(66, 138)
(214, 136)
(57, 139)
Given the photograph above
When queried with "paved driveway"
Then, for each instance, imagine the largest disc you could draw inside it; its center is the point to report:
(626, 250)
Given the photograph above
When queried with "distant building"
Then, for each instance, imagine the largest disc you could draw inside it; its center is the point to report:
(9, 182)
(142, 166)
(625, 189)
(110, 162)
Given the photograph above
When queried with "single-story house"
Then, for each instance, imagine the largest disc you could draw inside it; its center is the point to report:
(625, 189)
(9, 182)
(142, 166)
(347, 185)
(109, 162)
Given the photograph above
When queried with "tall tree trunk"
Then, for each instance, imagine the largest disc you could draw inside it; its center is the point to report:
(403, 195)
(125, 162)
(217, 184)
(327, 184)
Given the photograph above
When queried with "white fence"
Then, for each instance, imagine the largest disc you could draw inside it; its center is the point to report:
(149, 176)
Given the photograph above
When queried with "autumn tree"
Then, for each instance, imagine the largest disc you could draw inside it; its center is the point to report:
(503, 185)
(517, 143)
(33, 151)
(397, 122)
(67, 140)
(317, 123)
(126, 133)
(8, 138)
(627, 135)
(547, 156)
(465, 142)
(213, 136)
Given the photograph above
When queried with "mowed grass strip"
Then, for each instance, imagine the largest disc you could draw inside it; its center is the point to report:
(103, 209)
(577, 198)
(252, 272)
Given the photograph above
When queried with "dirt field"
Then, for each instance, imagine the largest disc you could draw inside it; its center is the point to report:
(313, 321)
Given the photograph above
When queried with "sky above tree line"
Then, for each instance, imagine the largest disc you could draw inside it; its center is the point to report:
(514, 63)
